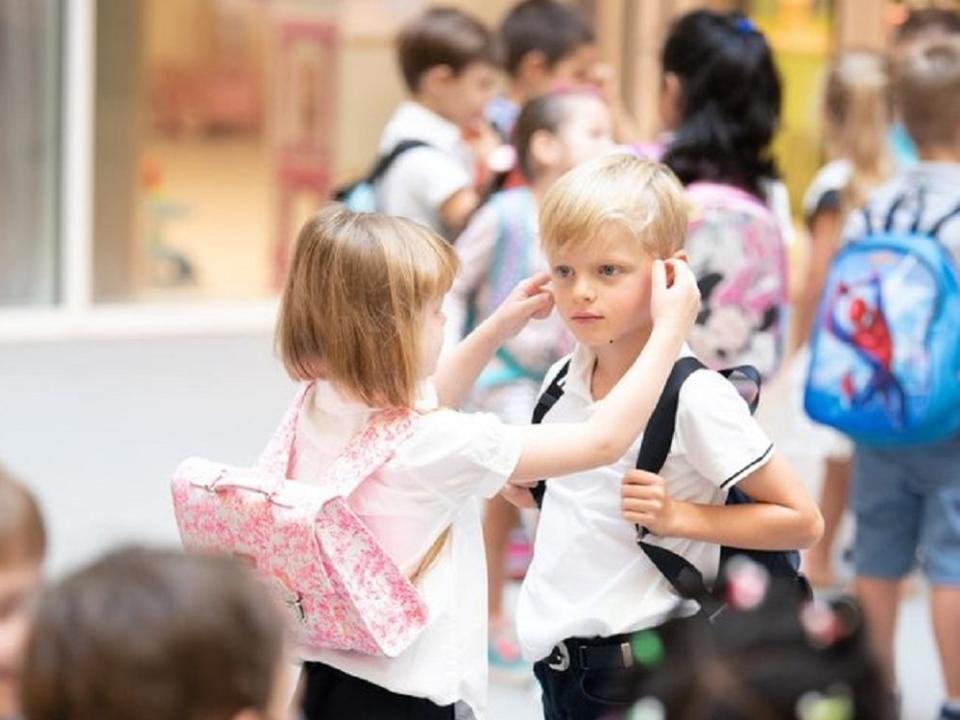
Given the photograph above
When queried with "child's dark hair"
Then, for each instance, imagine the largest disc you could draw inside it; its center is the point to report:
(444, 36)
(768, 661)
(554, 28)
(730, 104)
(923, 21)
(23, 537)
(153, 635)
(546, 112)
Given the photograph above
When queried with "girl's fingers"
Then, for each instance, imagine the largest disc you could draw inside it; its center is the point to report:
(534, 284)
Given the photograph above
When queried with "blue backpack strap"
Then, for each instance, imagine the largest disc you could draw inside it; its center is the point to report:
(549, 398)
(888, 224)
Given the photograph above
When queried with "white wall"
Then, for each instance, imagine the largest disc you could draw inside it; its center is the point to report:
(97, 427)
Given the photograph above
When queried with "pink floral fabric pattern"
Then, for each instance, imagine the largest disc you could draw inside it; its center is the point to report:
(340, 588)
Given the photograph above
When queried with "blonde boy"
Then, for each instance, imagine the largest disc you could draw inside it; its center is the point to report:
(589, 587)
(23, 544)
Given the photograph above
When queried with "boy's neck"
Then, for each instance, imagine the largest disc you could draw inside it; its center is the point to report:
(614, 359)
(8, 699)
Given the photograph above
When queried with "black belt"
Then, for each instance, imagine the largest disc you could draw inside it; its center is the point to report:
(609, 653)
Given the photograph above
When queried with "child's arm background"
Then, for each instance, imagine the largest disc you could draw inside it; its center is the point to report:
(783, 516)
(475, 247)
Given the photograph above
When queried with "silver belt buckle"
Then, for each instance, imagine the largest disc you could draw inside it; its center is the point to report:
(564, 662)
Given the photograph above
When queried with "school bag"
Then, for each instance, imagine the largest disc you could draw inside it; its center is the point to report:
(737, 253)
(685, 579)
(340, 588)
(885, 348)
(361, 195)
(516, 214)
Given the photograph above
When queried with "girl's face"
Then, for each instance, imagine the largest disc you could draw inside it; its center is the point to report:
(671, 101)
(18, 590)
(431, 338)
(586, 133)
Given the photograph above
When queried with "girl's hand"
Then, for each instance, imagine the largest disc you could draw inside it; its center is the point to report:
(518, 496)
(675, 297)
(529, 299)
(646, 502)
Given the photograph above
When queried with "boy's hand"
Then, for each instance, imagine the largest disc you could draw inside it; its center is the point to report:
(646, 502)
(519, 496)
(529, 299)
(675, 297)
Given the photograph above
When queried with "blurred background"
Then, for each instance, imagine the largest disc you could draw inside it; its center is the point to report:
(156, 157)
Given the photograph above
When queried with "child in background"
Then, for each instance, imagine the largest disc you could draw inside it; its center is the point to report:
(498, 249)
(721, 97)
(547, 44)
(922, 25)
(907, 499)
(589, 586)
(450, 64)
(23, 546)
(771, 657)
(156, 635)
(361, 320)
(858, 110)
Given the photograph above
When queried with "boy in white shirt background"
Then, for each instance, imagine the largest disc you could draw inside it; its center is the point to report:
(450, 64)
(589, 586)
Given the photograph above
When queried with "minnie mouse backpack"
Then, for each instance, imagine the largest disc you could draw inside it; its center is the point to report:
(340, 588)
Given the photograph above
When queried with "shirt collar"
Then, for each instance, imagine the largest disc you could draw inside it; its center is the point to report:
(947, 173)
(580, 374)
(330, 400)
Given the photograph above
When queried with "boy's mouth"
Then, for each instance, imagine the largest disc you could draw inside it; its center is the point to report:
(586, 317)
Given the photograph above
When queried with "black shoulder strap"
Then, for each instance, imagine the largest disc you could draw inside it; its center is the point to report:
(683, 576)
(383, 163)
(549, 398)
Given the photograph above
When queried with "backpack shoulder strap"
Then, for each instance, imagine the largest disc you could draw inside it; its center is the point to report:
(935, 230)
(686, 580)
(547, 400)
(383, 163)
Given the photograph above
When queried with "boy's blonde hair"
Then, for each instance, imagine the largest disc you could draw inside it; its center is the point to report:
(644, 196)
(928, 93)
(352, 306)
(23, 538)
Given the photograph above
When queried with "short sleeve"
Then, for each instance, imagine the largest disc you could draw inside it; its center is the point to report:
(458, 455)
(716, 432)
(431, 174)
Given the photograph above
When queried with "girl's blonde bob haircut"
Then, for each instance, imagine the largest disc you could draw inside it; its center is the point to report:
(354, 299)
(642, 195)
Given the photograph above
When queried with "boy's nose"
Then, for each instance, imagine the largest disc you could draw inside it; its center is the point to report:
(583, 290)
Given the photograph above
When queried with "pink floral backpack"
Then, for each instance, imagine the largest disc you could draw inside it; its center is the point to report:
(341, 589)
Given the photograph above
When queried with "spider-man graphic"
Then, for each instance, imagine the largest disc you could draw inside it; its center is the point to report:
(857, 318)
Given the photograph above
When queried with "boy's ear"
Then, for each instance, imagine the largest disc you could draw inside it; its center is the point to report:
(533, 68)
(435, 77)
(545, 149)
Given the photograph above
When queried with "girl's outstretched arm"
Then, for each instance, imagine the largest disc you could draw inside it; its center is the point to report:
(562, 448)
(460, 367)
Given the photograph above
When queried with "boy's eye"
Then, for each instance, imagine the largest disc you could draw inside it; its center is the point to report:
(609, 270)
(562, 271)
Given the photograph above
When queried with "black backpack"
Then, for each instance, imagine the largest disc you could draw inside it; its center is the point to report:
(683, 576)
(360, 195)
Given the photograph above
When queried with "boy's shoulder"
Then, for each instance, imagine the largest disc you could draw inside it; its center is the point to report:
(413, 121)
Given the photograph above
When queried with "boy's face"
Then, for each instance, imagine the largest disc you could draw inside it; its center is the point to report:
(463, 97)
(588, 133)
(18, 589)
(602, 289)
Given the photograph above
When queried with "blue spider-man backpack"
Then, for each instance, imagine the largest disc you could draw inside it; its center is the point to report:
(885, 351)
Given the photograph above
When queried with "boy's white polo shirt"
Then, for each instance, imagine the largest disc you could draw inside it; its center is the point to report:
(422, 179)
(588, 577)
